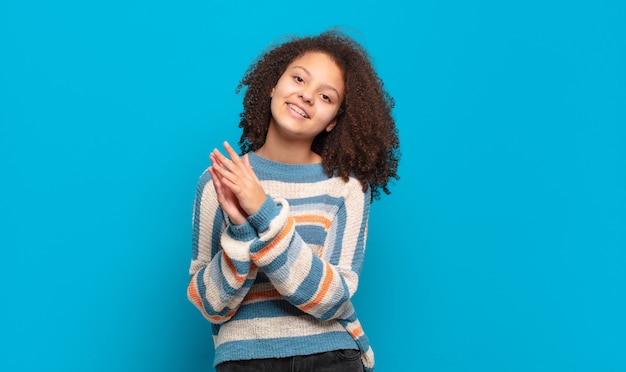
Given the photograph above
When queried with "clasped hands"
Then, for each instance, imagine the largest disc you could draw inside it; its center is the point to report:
(239, 191)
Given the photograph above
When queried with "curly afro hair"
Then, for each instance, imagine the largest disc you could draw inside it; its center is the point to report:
(364, 143)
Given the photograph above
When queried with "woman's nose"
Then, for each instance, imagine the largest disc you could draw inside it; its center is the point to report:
(306, 96)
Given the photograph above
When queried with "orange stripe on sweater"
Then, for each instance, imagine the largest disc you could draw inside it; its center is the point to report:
(233, 269)
(328, 278)
(283, 233)
(357, 332)
(222, 317)
(192, 292)
(309, 218)
(262, 295)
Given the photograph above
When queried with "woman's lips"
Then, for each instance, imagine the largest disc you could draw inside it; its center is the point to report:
(298, 110)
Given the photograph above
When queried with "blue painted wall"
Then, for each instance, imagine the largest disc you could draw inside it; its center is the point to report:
(502, 248)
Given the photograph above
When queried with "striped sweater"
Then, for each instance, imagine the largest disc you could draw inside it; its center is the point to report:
(280, 284)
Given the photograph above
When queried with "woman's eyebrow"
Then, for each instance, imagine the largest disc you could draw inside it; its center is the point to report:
(323, 85)
(305, 70)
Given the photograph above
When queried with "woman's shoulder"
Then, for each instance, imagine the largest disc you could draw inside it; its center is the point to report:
(203, 180)
(205, 176)
(348, 186)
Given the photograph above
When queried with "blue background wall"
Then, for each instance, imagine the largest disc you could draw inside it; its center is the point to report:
(501, 248)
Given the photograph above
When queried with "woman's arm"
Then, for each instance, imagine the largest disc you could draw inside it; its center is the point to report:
(221, 271)
(320, 286)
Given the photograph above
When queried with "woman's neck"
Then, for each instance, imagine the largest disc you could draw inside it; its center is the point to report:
(288, 152)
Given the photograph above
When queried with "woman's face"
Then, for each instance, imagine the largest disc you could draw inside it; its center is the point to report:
(307, 97)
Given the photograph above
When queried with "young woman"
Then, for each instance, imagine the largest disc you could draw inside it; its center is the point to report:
(279, 233)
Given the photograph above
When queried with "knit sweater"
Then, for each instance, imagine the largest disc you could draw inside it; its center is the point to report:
(280, 284)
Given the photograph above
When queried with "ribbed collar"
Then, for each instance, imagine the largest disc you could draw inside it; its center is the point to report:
(272, 170)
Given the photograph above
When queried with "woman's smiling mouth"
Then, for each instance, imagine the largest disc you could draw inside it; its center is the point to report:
(298, 110)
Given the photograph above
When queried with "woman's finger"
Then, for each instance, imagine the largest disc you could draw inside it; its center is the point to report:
(234, 164)
(234, 157)
(227, 178)
(216, 179)
(246, 161)
(235, 170)
(221, 159)
(221, 177)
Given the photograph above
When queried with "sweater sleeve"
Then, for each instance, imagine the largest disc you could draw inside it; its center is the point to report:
(318, 285)
(221, 271)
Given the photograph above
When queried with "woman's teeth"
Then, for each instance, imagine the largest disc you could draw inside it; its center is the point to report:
(298, 110)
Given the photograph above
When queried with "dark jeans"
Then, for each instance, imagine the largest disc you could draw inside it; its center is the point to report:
(333, 361)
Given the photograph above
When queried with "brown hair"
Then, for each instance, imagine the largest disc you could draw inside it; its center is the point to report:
(364, 143)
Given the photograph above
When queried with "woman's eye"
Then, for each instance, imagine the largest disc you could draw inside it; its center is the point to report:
(298, 79)
(326, 98)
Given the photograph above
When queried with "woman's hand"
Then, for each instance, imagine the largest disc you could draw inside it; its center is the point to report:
(237, 176)
(227, 200)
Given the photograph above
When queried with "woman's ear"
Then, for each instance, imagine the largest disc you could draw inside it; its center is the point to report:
(332, 124)
(272, 92)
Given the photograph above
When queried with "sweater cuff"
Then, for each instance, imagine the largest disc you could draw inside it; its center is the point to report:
(236, 240)
(263, 217)
(243, 233)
